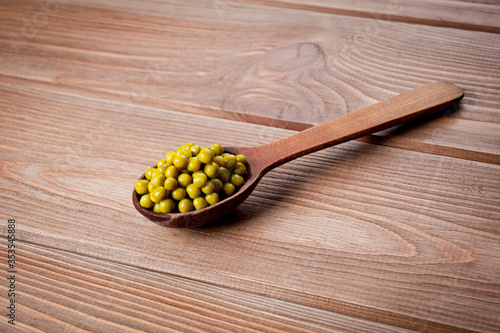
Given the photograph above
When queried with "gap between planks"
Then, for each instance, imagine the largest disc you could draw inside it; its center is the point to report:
(388, 141)
(327, 8)
(260, 289)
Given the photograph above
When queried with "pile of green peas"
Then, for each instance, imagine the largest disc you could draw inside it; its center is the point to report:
(190, 178)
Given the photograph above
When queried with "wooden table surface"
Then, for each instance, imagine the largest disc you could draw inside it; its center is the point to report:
(394, 232)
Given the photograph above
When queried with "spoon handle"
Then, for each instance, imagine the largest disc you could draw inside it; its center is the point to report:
(405, 107)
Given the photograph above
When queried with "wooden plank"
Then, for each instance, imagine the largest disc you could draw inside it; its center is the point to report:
(62, 291)
(434, 135)
(240, 63)
(400, 237)
(479, 16)
(444, 136)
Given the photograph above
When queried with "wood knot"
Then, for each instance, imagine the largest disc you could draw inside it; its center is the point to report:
(281, 85)
(292, 57)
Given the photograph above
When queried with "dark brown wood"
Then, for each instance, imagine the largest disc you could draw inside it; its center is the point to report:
(411, 105)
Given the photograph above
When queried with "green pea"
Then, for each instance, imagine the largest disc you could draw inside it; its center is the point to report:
(170, 184)
(209, 188)
(158, 194)
(206, 156)
(158, 180)
(194, 164)
(169, 157)
(217, 184)
(167, 206)
(184, 151)
(224, 174)
(237, 180)
(149, 173)
(193, 191)
(217, 149)
(172, 172)
(184, 179)
(156, 172)
(219, 160)
(161, 163)
(240, 169)
(162, 168)
(200, 180)
(179, 193)
(146, 201)
(141, 186)
(195, 150)
(200, 203)
(185, 205)
(229, 189)
(230, 161)
(180, 161)
(212, 170)
(241, 158)
(212, 199)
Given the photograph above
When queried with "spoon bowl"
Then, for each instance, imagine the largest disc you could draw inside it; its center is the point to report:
(411, 105)
(208, 214)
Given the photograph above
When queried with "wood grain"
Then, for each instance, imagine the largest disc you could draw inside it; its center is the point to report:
(409, 106)
(396, 232)
(233, 61)
(348, 228)
(62, 291)
(440, 136)
(471, 15)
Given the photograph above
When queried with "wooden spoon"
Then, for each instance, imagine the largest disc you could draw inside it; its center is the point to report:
(405, 107)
